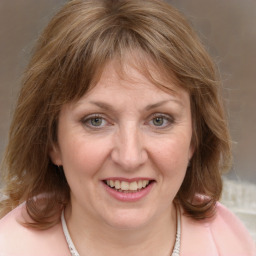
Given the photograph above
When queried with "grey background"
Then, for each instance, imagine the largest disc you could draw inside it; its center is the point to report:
(227, 28)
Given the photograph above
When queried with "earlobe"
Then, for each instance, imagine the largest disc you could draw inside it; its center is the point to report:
(55, 155)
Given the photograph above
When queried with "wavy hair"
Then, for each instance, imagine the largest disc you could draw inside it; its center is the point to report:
(68, 60)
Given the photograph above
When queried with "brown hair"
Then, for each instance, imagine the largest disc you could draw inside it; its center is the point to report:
(69, 58)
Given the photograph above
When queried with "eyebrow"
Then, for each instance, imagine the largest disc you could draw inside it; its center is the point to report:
(108, 107)
(163, 102)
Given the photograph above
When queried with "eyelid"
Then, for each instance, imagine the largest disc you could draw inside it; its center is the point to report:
(87, 118)
(167, 117)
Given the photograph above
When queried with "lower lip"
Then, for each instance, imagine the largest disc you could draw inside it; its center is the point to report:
(129, 197)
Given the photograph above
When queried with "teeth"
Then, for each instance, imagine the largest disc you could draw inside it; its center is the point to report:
(117, 184)
(144, 183)
(133, 186)
(126, 186)
(111, 183)
(140, 184)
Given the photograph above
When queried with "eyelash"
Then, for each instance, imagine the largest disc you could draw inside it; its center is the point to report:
(169, 120)
(89, 118)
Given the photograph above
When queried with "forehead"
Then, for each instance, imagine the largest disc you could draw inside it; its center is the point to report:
(138, 75)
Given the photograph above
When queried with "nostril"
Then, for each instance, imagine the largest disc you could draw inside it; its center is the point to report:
(129, 151)
(129, 161)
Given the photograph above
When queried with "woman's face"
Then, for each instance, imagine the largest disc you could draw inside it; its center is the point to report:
(125, 147)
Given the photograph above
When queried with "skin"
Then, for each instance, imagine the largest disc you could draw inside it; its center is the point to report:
(139, 131)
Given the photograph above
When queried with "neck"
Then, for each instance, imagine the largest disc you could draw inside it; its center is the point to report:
(92, 237)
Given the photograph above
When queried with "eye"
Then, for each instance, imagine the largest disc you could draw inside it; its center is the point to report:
(95, 121)
(158, 121)
(161, 121)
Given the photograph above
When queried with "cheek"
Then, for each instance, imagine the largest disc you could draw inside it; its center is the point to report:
(83, 156)
(172, 156)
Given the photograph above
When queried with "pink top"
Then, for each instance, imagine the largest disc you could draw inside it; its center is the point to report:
(223, 235)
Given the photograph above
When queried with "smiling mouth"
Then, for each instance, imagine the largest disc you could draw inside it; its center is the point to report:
(128, 187)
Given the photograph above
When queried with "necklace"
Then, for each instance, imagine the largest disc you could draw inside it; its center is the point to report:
(73, 251)
(71, 246)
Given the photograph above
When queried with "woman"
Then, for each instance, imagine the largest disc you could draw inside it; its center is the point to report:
(118, 140)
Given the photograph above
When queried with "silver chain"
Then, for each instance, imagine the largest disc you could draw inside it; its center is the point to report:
(73, 251)
(71, 246)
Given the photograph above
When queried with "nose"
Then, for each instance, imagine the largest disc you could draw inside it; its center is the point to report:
(129, 151)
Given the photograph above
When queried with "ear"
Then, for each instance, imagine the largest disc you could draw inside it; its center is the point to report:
(55, 155)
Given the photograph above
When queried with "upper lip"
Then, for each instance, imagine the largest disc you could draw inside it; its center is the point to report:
(128, 180)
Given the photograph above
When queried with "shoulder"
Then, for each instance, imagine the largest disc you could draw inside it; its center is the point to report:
(228, 230)
(229, 220)
(16, 239)
(223, 234)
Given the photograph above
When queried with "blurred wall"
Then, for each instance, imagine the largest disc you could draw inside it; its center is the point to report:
(227, 28)
(21, 22)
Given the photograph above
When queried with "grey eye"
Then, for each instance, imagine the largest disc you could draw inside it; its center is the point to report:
(158, 121)
(161, 121)
(96, 121)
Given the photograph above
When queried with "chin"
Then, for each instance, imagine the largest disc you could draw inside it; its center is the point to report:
(128, 219)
